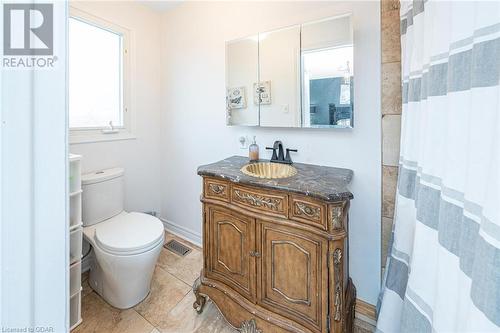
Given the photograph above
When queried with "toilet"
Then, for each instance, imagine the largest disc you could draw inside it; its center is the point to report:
(126, 245)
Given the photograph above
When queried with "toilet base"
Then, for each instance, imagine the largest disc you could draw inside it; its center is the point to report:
(123, 281)
(93, 282)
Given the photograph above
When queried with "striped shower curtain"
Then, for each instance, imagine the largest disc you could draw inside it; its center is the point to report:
(443, 269)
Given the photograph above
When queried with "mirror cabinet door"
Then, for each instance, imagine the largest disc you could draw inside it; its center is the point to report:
(327, 73)
(242, 71)
(279, 71)
(300, 76)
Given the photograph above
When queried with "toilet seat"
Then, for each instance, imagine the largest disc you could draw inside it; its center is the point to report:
(129, 233)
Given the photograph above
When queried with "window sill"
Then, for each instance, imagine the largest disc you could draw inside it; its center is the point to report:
(79, 138)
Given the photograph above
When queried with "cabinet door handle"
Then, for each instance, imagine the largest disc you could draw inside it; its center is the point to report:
(254, 254)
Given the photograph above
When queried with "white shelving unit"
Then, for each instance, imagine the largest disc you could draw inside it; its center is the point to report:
(75, 237)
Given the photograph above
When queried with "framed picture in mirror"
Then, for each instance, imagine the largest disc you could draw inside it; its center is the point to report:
(262, 93)
(236, 98)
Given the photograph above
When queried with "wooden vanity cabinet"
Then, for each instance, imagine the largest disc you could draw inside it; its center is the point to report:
(228, 254)
(275, 261)
(293, 274)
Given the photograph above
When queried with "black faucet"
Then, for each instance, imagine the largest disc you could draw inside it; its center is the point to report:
(280, 156)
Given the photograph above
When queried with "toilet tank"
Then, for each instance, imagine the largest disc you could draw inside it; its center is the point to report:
(102, 196)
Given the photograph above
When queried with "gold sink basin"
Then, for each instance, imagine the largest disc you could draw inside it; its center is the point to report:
(269, 170)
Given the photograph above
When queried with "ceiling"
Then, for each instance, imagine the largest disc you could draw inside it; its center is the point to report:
(160, 5)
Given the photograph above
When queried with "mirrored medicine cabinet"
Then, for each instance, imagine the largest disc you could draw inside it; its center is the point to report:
(298, 76)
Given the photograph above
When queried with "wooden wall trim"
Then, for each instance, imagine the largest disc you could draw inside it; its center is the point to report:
(366, 309)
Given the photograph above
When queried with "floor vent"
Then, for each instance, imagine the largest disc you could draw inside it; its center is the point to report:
(177, 247)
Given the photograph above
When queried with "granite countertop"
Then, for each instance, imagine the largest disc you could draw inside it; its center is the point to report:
(326, 183)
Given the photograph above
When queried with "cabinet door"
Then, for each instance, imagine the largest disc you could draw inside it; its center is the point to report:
(279, 75)
(231, 240)
(292, 274)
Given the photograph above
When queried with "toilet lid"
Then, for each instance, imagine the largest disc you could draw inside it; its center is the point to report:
(129, 232)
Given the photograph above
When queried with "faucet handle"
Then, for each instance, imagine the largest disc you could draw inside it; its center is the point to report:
(274, 157)
(288, 159)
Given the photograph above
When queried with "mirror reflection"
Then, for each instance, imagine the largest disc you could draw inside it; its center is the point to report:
(242, 71)
(279, 59)
(327, 73)
(299, 76)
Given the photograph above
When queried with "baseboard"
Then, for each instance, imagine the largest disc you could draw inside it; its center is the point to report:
(366, 312)
(182, 232)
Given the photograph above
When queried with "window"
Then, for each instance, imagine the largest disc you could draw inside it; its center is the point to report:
(98, 79)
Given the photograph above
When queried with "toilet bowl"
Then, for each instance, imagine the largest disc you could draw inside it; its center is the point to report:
(126, 245)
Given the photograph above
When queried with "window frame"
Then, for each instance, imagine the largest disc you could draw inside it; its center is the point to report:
(124, 132)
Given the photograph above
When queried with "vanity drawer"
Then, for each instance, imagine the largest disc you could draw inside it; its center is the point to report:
(261, 201)
(216, 189)
(309, 211)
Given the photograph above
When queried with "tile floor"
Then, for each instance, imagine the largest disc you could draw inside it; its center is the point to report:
(167, 309)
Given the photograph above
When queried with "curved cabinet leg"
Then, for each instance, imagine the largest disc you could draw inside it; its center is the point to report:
(200, 299)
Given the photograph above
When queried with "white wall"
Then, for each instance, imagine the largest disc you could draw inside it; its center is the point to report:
(193, 115)
(34, 236)
(140, 156)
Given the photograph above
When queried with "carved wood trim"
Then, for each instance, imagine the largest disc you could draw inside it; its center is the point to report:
(216, 189)
(337, 265)
(281, 221)
(307, 210)
(200, 301)
(256, 200)
(336, 216)
(249, 326)
(271, 203)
